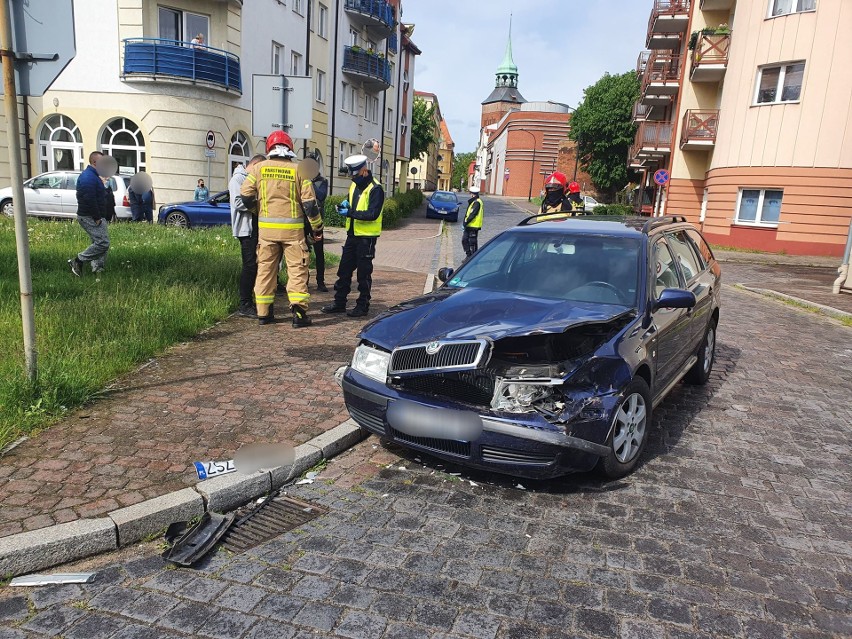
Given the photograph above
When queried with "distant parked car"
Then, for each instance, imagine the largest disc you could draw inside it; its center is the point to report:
(443, 205)
(213, 211)
(54, 194)
(591, 203)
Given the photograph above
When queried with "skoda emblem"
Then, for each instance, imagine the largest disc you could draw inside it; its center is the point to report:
(432, 348)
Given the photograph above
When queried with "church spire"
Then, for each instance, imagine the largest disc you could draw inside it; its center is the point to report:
(507, 72)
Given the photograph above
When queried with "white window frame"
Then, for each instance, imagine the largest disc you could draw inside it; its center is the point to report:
(295, 63)
(795, 8)
(341, 152)
(322, 21)
(344, 91)
(277, 53)
(320, 93)
(313, 15)
(297, 7)
(760, 199)
(390, 119)
(779, 89)
(353, 37)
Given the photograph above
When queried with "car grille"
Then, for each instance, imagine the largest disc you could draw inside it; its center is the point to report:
(465, 354)
(376, 424)
(450, 446)
(472, 387)
(506, 456)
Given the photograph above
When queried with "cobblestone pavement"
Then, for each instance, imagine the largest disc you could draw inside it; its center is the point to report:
(236, 383)
(738, 523)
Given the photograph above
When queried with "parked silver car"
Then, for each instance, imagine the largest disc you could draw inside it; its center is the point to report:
(54, 194)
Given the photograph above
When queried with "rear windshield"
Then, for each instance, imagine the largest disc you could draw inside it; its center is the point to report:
(580, 268)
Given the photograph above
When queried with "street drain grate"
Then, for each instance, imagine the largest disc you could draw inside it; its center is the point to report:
(272, 518)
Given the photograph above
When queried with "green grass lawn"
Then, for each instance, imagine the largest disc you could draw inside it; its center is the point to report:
(162, 286)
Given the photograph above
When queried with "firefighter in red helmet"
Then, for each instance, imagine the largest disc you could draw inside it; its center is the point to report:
(554, 194)
(283, 198)
(578, 204)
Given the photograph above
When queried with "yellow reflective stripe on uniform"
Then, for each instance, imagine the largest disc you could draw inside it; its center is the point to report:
(264, 299)
(279, 225)
(252, 178)
(298, 297)
(264, 209)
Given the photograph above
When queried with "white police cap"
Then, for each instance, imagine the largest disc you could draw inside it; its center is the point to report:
(474, 189)
(355, 162)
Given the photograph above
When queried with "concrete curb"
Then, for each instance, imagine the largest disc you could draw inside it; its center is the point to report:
(828, 311)
(47, 547)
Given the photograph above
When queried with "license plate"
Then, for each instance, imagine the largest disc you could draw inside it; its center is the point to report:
(205, 470)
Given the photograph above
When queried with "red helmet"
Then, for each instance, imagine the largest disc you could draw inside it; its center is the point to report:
(555, 180)
(573, 187)
(278, 137)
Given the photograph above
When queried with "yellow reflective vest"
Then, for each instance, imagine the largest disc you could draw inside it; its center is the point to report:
(476, 222)
(364, 228)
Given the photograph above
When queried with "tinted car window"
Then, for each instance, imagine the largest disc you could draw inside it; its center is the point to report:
(685, 256)
(665, 271)
(701, 246)
(581, 268)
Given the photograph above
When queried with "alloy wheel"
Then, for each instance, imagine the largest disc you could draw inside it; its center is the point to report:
(709, 346)
(630, 423)
(177, 219)
(9, 209)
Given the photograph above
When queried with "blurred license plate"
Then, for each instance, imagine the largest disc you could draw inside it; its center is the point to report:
(418, 420)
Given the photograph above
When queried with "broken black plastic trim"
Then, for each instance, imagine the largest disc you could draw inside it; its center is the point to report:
(199, 540)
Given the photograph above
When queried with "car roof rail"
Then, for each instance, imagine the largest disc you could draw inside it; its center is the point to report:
(533, 219)
(654, 222)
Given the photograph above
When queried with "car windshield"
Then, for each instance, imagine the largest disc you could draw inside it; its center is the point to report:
(579, 268)
(444, 197)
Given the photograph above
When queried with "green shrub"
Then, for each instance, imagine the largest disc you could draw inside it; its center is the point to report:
(331, 217)
(395, 210)
(612, 209)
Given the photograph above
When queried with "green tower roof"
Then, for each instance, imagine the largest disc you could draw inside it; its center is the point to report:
(508, 65)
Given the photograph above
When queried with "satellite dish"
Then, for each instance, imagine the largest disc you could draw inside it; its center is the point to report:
(308, 169)
(106, 166)
(141, 182)
(371, 149)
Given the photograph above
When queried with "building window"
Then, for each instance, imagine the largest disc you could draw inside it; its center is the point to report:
(60, 145)
(392, 74)
(781, 83)
(353, 37)
(182, 25)
(403, 123)
(342, 156)
(371, 109)
(352, 149)
(786, 7)
(344, 92)
(277, 52)
(759, 207)
(295, 64)
(312, 15)
(390, 120)
(239, 151)
(320, 86)
(322, 27)
(122, 139)
(297, 7)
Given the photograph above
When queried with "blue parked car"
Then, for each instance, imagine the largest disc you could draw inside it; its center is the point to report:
(443, 205)
(547, 350)
(211, 212)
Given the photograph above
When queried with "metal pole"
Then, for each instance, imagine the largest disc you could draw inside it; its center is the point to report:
(208, 174)
(532, 175)
(10, 103)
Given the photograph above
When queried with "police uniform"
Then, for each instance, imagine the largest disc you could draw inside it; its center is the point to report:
(472, 224)
(363, 228)
(284, 199)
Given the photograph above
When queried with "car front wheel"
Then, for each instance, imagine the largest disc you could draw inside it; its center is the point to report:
(177, 218)
(7, 208)
(700, 372)
(629, 431)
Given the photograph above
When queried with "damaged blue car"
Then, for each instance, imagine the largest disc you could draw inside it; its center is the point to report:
(546, 352)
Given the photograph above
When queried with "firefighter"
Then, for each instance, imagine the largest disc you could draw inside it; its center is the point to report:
(283, 199)
(578, 204)
(555, 199)
(472, 222)
(363, 211)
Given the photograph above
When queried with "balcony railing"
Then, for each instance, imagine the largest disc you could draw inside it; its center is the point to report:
(377, 13)
(642, 62)
(710, 57)
(652, 139)
(640, 112)
(661, 81)
(699, 129)
(372, 69)
(393, 43)
(156, 58)
(669, 16)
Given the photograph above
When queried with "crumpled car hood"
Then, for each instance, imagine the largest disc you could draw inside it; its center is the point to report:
(466, 313)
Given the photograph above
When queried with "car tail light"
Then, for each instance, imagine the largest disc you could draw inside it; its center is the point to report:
(125, 201)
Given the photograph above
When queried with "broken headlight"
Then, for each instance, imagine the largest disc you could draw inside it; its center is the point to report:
(522, 395)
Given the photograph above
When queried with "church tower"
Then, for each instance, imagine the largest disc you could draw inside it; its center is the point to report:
(505, 95)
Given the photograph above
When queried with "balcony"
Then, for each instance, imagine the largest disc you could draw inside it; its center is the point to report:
(716, 5)
(642, 62)
(661, 80)
(393, 43)
(376, 15)
(710, 57)
(699, 130)
(155, 59)
(669, 19)
(641, 112)
(372, 70)
(653, 141)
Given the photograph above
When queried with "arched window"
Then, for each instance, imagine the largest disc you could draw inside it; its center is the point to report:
(60, 145)
(317, 155)
(239, 152)
(122, 139)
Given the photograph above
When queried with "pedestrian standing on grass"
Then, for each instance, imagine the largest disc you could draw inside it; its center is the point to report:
(91, 214)
(472, 222)
(140, 194)
(244, 228)
(201, 192)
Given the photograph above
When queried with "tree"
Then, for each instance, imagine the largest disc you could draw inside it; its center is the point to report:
(603, 128)
(424, 129)
(461, 163)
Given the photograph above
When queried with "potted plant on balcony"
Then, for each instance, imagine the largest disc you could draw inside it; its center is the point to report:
(370, 51)
(722, 29)
(355, 48)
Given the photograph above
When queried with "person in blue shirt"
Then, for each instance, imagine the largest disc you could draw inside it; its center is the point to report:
(201, 192)
(91, 215)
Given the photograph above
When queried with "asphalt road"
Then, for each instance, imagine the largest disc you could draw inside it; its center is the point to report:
(500, 214)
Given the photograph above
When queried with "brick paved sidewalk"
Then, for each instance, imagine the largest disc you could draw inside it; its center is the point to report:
(236, 383)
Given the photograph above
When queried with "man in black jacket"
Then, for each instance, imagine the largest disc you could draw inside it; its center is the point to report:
(363, 211)
(91, 215)
(321, 189)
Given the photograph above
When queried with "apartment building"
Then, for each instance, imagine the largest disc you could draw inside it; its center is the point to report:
(446, 157)
(140, 90)
(748, 105)
(424, 171)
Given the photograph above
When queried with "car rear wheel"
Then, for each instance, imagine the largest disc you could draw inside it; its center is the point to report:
(700, 373)
(177, 218)
(629, 431)
(7, 208)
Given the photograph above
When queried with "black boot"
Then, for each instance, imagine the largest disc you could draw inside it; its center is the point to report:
(358, 311)
(268, 319)
(334, 307)
(300, 317)
(247, 310)
(322, 287)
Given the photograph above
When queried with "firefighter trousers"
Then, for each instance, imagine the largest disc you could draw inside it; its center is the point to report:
(269, 251)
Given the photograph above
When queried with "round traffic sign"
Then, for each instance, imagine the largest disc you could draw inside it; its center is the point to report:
(661, 177)
(211, 139)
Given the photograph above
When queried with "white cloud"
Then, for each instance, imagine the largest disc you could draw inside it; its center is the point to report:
(560, 47)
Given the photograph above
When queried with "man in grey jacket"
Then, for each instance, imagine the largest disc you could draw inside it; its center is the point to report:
(244, 228)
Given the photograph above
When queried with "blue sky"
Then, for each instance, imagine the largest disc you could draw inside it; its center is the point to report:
(559, 46)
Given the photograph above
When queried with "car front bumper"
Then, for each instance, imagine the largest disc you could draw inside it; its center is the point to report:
(523, 445)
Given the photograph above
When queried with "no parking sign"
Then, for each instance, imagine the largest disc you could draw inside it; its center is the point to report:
(661, 177)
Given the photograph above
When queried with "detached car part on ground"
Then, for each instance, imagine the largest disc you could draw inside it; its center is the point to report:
(547, 350)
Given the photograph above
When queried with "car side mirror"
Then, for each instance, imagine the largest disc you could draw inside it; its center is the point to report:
(675, 298)
(445, 273)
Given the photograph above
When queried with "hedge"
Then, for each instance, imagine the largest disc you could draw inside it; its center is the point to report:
(611, 209)
(396, 208)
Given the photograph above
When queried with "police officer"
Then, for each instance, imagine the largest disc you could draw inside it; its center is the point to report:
(555, 200)
(472, 222)
(285, 198)
(578, 204)
(363, 211)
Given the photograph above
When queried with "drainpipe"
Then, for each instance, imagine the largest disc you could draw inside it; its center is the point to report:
(384, 115)
(331, 151)
(27, 139)
(399, 64)
(307, 66)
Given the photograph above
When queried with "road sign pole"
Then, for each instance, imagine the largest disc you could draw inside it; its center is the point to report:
(10, 103)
